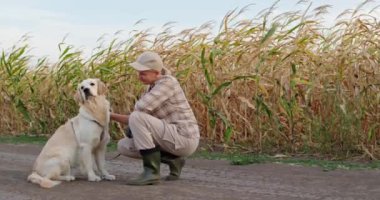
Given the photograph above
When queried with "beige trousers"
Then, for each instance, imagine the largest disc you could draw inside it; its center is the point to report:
(149, 131)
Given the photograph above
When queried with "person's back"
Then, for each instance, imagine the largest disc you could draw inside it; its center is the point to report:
(174, 109)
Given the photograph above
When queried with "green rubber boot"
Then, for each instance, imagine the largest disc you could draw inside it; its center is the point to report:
(175, 163)
(151, 173)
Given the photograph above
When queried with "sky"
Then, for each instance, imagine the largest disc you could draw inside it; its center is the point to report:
(83, 22)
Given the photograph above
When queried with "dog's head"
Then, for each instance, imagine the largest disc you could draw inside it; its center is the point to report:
(90, 88)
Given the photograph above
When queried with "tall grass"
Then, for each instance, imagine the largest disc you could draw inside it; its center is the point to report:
(275, 83)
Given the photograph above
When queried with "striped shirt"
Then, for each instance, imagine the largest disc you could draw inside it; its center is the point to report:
(167, 101)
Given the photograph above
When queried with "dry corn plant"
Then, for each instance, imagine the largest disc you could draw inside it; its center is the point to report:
(284, 83)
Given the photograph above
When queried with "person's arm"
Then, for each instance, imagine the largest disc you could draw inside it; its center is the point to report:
(154, 98)
(120, 118)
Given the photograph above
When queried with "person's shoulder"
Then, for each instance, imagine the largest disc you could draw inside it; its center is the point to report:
(168, 79)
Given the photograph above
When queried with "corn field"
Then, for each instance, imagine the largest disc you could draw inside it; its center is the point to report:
(284, 83)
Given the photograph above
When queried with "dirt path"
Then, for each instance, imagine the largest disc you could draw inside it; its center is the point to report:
(201, 179)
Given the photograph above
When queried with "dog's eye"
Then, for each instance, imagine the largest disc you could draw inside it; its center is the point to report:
(92, 84)
(81, 87)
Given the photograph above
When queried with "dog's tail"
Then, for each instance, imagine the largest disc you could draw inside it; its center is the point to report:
(42, 181)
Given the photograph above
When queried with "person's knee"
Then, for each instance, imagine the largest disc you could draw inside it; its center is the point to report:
(121, 145)
(126, 147)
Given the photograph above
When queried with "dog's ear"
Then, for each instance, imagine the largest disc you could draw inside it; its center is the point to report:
(102, 88)
(78, 97)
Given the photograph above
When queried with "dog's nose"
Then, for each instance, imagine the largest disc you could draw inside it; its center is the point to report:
(86, 90)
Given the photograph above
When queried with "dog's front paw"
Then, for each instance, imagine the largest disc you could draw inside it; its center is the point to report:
(94, 178)
(109, 177)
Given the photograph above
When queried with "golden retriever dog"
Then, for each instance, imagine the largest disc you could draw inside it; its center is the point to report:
(81, 140)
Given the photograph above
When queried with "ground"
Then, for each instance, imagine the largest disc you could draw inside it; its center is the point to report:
(201, 179)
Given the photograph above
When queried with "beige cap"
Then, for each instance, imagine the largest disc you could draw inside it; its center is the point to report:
(148, 61)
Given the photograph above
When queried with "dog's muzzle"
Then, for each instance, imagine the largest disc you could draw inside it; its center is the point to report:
(87, 92)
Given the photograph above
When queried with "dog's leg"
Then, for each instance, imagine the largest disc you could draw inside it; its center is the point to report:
(66, 172)
(86, 157)
(100, 154)
(100, 162)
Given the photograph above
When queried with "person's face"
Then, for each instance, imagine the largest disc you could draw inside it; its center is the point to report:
(148, 77)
